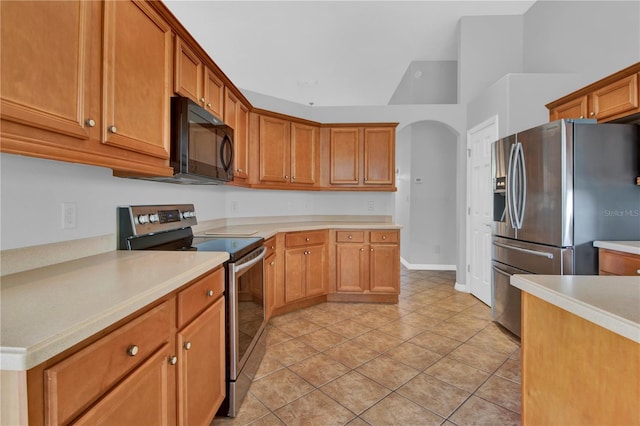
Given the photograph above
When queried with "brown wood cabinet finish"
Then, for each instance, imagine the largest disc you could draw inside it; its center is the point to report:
(236, 115)
(305, 265)
(614, 97)
(270, 276)
(164, 365)
(80, 85)
(613, 262)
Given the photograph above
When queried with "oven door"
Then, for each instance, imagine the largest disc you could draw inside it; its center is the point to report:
(246, 307)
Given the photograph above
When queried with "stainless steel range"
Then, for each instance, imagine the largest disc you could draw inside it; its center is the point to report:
(168, 227)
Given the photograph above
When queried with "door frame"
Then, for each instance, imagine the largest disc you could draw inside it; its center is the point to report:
(491, 121)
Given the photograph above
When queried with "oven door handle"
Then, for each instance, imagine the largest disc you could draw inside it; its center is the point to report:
(241, 267)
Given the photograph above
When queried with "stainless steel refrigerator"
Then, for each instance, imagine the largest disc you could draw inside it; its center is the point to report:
(556, 189)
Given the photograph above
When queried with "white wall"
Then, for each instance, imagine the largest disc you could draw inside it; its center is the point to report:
(428, 82)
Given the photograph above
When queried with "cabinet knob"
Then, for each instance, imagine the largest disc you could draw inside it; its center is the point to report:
(582, 116)
(371, 249)
(132, 350)
(361, 249)
(209, 293)
(293, 178)
(90, 122)
(187, 345)
(272, 263)
(239, 170)
(307, 239)
(592, 113)
(173, 360)
(384, 237)
(113, 129)
(208, 104)
(273, 247)
(202, 100)
(638, 272)
(286, 176)
(309, 252)
(350, 237)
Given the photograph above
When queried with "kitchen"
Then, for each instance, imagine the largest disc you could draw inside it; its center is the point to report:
(543, 28)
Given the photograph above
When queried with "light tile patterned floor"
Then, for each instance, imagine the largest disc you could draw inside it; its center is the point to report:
(435, 358)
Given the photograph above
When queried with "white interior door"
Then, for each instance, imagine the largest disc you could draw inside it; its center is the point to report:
(479, 200)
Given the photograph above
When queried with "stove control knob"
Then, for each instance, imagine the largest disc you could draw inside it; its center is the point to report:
(143, 218)
(153, 218)
(187, 215)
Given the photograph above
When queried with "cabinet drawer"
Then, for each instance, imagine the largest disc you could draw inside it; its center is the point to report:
(350, 236)
(618, 263)
(199, 295)
(270, 244)
(301, 239)
(74, 383)
(385, 236)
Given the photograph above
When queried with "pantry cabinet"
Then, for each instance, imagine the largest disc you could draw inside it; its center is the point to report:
(367, 261)
(87, 82)
(305, 265)
(288, 152)
(614, 97)
(362, 157)
(193, 79)
(163, 365)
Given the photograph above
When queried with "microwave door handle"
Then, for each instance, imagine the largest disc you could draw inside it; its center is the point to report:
(226, 141)
(510, 186)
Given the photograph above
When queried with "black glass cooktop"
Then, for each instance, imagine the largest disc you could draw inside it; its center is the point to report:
(236, 247)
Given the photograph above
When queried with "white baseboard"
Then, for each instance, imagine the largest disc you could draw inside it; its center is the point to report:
(426, 267)
(462, 287)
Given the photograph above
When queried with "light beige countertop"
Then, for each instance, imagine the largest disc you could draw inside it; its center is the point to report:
(611, 302)
(268, 230)
(47, 310)
(632, 247)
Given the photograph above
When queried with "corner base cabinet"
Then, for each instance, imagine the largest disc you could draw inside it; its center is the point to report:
(163, 365)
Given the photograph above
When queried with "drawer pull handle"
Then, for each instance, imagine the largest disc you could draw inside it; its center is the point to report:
(209, 293)
(384, 237)
(132, 350)
(187, 345)
(350, 237)
(173, 360)
(307, 239)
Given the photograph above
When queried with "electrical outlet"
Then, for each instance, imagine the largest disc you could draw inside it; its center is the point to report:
(69, 215)
(371, 205)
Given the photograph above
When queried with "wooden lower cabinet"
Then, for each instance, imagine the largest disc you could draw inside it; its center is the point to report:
(162, 366)
(270, 276)
(368, 261)
(612, 262)
(201, 368)
(305, 265)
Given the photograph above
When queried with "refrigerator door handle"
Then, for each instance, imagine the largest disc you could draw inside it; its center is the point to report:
(510, 186)
(524, 250)
(522, 185)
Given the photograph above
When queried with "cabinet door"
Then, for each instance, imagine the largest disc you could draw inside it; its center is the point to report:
(576, 108)
(144, 397)
(616, 98)
(344, 150)
(379, 156)
(315, 271)
(270, 284)
(201, 371)
(48, 67)
(274, 150)
(295, 267)
(304, 154)
(352, 265)
(187, 72)
(237, 116)
(384, 268)
(213, 99)
(137, 75)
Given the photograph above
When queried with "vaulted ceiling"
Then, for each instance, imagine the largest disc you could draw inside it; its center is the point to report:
(329, 53)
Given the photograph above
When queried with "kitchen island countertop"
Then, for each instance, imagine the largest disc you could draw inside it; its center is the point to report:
(632, 247)
(47, 310)
(611, 302)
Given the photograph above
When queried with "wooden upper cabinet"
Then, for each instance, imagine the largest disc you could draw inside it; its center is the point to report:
(86, 82)
(137, 72)
(362, 157)
(615, 97)
(288, 152)
(236, 115)
(193, 79)
(49, 76)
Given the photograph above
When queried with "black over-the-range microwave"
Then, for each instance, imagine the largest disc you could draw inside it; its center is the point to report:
(201, 146)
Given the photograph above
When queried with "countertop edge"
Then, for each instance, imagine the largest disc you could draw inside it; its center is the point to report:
(22, 359)
(598, 316)
(632, 247)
